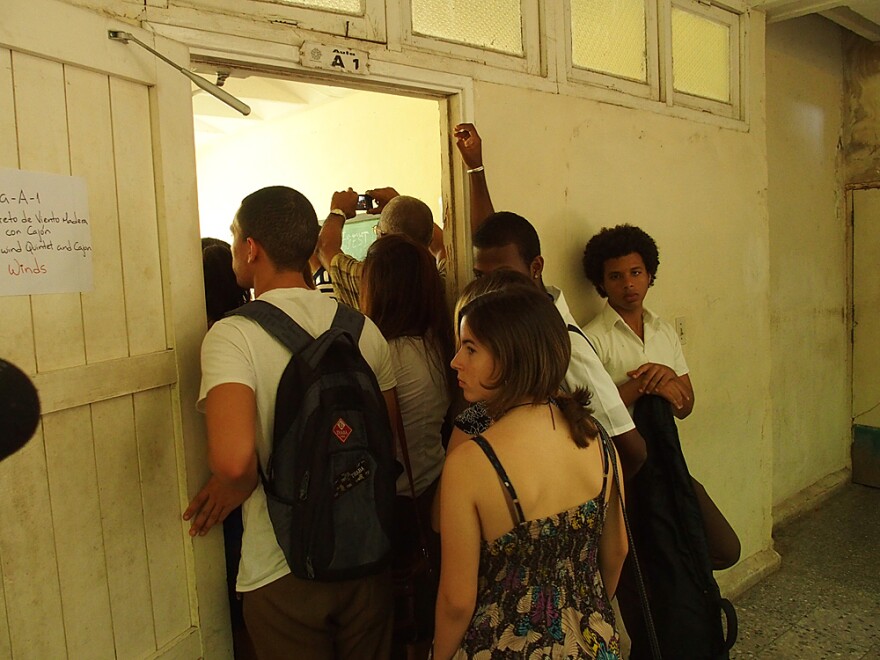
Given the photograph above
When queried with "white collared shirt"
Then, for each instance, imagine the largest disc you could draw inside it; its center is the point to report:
(585, 369)
(621, 350)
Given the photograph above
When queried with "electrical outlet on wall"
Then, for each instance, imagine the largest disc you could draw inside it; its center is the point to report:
(680, 329)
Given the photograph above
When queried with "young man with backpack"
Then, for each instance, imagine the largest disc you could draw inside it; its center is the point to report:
(302, 438)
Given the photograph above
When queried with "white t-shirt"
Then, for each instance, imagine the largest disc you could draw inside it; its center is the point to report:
(424, 400)
(585, 370)
(237, 350)
(621, 350)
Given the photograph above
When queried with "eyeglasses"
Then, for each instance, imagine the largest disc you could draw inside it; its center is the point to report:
(379, 233)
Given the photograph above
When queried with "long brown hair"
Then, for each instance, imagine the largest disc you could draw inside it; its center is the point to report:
(402, 292)
(529, 341)
(496, 280)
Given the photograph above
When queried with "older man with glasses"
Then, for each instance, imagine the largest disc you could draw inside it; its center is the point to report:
(399, 214)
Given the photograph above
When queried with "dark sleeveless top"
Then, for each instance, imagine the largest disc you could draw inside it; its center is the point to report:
(539, 592)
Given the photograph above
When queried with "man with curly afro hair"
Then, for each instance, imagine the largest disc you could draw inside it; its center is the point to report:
(640, 350)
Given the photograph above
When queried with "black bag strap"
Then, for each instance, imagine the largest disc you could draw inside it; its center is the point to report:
(277, 323)
(573, 328)
(732, 625)
(349, 320)
(643, 594)
(423, 539)
(291, 334)
(502, 475)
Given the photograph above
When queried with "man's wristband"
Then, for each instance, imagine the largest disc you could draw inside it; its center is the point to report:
(339, 212)
(476, 169)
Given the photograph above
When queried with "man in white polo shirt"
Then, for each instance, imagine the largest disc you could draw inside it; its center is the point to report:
(274, 235)
(640, 351)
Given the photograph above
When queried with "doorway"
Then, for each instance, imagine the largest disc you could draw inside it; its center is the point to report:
(866, 330)
(317, 138)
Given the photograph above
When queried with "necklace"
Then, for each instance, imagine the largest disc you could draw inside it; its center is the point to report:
(527, 403)
(549, 403)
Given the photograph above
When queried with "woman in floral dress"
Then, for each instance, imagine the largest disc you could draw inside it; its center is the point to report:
(531, 525)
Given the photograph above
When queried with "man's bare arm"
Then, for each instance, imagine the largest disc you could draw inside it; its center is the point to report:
(632, 451)
(330, 237)
(471, 148)
(659, 379)
(382, 196)
(230, 418)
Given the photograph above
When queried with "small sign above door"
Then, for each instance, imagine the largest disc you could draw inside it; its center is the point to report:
(334, 58)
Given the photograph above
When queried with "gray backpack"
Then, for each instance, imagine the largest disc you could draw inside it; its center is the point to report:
(330, 480)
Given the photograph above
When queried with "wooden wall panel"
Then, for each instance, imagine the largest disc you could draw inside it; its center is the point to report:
(142, 273)
(91, 157)
(8, 139)
(27, 550)
(5, 642)
(76, 518)
(43, 147)
(178, 216)
(162, 510)
(128, 575)
(186, 647)
(16, 327)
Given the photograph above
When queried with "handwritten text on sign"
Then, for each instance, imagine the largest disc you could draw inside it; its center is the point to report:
(45, 236)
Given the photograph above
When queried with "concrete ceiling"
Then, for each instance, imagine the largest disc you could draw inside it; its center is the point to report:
(268, 98)
(859, 16)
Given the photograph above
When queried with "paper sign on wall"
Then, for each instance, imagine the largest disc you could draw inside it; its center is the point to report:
(45, 236)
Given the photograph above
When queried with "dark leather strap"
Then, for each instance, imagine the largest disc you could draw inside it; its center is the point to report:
(502, 475)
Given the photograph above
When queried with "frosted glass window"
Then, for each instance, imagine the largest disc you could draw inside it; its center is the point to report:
(343, 6)
(609, 36)
(700, 56)
(491, 24)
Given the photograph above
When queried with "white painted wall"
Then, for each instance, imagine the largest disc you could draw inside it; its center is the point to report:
(364, 140)
(808, 254)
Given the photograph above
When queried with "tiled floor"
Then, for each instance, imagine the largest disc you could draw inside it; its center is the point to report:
(824, 602)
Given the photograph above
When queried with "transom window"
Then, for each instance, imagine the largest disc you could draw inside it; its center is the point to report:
(491, 24)
(680, 52)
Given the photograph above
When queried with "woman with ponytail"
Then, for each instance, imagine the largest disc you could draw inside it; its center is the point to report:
(530, 517)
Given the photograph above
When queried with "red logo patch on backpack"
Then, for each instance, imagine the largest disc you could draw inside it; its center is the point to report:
(341, 430)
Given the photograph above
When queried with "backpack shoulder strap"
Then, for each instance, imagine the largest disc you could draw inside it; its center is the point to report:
(277, 323)
(576, 330)
(349, 320)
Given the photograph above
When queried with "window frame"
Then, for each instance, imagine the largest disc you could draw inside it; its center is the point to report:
(530, 61)
(648, 90)
(369, 26)
(660, 89)
(733, 20)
